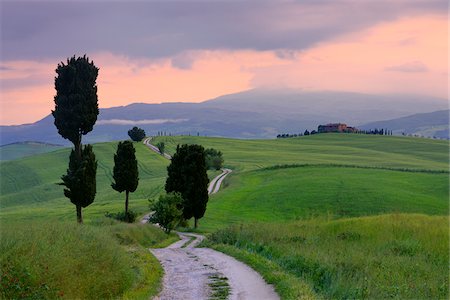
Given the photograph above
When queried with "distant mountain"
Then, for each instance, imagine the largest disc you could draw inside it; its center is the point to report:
(249, 114)
(434, 124)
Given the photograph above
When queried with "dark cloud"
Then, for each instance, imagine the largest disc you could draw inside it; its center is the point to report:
(409, 67)
(53, 29)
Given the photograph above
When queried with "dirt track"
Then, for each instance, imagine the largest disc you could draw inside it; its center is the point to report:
(190, 270)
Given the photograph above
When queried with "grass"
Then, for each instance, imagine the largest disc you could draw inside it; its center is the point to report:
(343, 175)
(49, 260)
(20, 150)
(29, 186)
(352, 149)
(310, 197)
(218, 284)
(391, 256)
(301, 192)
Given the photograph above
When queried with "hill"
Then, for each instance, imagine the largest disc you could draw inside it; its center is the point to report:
(434, 124)
(24, 149)
(250, 114)
(29, 185)
(341, 175)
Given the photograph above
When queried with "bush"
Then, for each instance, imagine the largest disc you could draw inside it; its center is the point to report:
(168, 211)
(161, 146)
(214, 159)
(128, 217)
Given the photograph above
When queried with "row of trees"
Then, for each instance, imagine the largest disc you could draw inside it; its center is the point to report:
(75, 114)
(371, 131)
(377, 131)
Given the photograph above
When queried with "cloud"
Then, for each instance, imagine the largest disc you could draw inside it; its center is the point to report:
(40, 29)
(409, 67)
(138, 122)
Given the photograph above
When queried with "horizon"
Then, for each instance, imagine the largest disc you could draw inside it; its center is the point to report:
(164, 53)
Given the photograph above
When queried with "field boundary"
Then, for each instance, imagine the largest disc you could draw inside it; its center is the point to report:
(292, 166)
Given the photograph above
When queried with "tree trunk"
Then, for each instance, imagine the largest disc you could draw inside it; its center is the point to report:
(78, 147)
(195, 222)
(79, 216)
(126, 201)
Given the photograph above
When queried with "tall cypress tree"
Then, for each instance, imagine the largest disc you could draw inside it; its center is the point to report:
(187, 175)
(80, 181)
(125, 172)
(76, 111)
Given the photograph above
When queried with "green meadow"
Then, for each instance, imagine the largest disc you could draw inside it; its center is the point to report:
(323, 216)
(30, 185)
(19, 150)
(401, 256)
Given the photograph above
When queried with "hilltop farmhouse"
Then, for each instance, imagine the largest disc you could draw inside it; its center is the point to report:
(336, 127)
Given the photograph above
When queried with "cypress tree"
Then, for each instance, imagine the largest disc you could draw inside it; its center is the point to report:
(125, 171)
(187, 175)
(80, 181)
(76, 111)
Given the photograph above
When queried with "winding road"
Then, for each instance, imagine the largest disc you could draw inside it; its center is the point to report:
(214, 185)
(190, 272)
(203, 273)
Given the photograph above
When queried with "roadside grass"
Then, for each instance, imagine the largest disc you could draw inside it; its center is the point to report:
(401, 256)
(49, 260)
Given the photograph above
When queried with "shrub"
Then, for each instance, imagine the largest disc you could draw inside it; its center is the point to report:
(168, 211)
(123, 216)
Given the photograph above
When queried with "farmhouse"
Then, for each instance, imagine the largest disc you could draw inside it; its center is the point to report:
(336, 127)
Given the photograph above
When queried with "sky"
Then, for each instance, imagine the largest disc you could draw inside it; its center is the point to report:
(192, 51)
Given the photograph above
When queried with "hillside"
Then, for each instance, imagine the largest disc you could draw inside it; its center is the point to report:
(24, 149)
(337, 174)
(249, 114)
(309, 214)
(29, 185)
(434, 124)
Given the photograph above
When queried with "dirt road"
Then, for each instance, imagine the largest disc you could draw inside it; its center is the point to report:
(203, 273)
(199, 273)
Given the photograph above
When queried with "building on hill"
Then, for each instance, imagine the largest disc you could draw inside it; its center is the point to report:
(336, 127)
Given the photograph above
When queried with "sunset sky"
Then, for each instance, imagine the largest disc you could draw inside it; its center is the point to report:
(165, 51)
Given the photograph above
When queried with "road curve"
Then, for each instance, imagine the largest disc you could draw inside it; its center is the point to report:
(214, 185)
(188, 272)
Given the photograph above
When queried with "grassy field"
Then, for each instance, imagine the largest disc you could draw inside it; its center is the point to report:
(20, 150)
(29, 186)
(352, 149)
(330, 174)
(305, 192)
(49, 260)
(402, 256)
(329, 215)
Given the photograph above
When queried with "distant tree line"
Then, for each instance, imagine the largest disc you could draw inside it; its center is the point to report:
(307, 132)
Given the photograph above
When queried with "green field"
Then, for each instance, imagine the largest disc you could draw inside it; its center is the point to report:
(329, 174)
(20, 150)
(350, 149)
(331, 215)
(29, 185)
